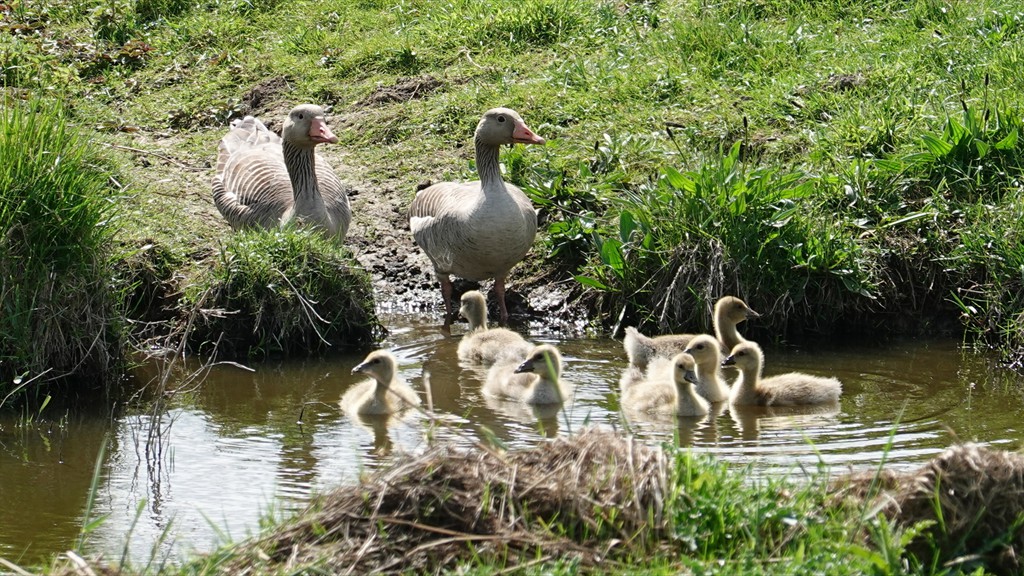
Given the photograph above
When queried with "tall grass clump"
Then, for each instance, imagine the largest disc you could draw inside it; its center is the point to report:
(60, 319)
(726, 227)
(288, 291)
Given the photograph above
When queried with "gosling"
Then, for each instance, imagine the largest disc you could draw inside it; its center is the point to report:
(535, 380)
(483, 345)
(383, 393)
(706, 353)
(668, 389)
(790, 389)
(729, 312)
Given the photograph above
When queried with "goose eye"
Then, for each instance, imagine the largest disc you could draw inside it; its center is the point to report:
(501, 118)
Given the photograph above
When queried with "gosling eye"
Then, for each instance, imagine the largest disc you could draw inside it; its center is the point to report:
(700, 346)
(501, 118)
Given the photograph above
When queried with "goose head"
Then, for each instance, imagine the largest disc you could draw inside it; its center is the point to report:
(734, 310)
(504, 126)
(379, 365)
(745, 356)
(543, 360)
(474, 309)
(684, 368)
(306, 126)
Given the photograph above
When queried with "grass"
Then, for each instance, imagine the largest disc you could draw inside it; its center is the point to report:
(58, 208)
(843, 161)
(281, 292)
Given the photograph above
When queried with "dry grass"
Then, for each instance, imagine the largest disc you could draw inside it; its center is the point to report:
(972, 495)
(431, 511)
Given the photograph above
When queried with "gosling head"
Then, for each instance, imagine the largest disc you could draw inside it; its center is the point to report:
(473, 308)
(504, 126)
(684, 368)
(379, 365)
(543, 360)
(734, 310)
(745, 356)
(705, 349)
(306, 126)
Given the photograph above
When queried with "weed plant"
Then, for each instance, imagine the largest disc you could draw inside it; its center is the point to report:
(61, 319)
(289, 291)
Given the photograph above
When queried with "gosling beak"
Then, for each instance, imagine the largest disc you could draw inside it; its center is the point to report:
(359, 368)
(729, 361)
(691, 377)
(526, 366)
(751, 313)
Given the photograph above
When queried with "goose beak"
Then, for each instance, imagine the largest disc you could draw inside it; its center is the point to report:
(523, 135)
(729, 361)
(320, 132)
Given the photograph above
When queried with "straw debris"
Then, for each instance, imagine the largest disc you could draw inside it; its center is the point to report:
(972, 495)
(431, 511)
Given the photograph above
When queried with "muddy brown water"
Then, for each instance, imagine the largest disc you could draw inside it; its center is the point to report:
(241, 444)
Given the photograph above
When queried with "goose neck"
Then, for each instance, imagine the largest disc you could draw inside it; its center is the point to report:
(488, 167)
(300, 162)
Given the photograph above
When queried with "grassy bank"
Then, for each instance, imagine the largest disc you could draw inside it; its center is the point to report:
(58, 211)
(846, 166)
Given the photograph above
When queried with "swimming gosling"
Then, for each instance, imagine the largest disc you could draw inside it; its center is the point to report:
(706, 353)
(536, 380)
(483, 345)
(729, 311)
(668, 389)
(790, 389)
(383, 393)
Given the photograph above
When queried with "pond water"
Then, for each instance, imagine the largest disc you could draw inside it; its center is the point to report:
(236, 444)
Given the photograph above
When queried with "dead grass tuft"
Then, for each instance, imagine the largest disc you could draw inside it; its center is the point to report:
(447, 505)
(974, 496)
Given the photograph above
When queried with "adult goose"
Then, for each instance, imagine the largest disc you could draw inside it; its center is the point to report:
(266, 181)
(483, 345)
(481, 229)
(668, 389)
(729, 311)
(790, 389)
(383, 393)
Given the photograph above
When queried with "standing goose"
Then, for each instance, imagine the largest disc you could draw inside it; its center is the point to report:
(537, 380)
(729, 311)
(790, 389)
(483, 345)
(706, 352)
(383, 393)
(667, 389)
(267, 181)
(480, 229)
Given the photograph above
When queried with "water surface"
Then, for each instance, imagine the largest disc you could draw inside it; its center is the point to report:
(238, 443)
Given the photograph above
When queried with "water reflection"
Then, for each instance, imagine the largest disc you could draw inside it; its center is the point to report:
(236, 443)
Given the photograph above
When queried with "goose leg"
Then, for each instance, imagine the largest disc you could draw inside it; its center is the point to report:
(446, 294)
(499, 292)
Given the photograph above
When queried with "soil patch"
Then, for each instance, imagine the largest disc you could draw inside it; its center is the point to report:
(403, 90)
